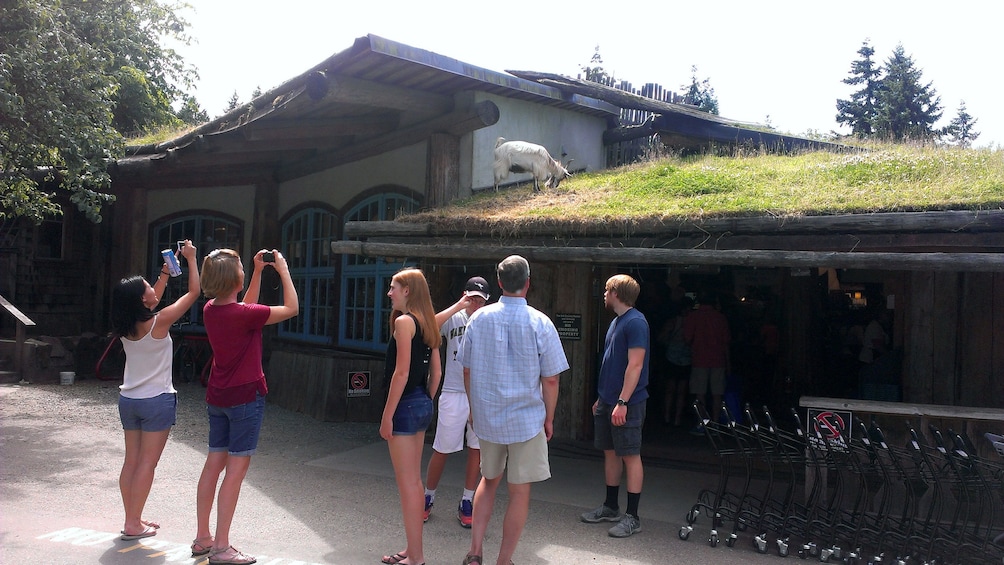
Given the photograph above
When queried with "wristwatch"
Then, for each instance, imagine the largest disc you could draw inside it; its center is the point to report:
(621, 402)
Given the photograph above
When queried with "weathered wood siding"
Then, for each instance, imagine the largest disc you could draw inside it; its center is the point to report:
(953, 328)
(316, 384)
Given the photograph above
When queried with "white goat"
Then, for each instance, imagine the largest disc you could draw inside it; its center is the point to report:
(524, 157)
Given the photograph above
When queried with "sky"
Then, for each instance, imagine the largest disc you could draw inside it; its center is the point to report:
(771, 62)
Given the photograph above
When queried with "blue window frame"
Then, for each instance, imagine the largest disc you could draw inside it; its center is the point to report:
(207, 233)
(365, 308)
(306, 244)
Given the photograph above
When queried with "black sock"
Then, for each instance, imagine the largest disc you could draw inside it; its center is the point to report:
(613, 493)
(632, 507)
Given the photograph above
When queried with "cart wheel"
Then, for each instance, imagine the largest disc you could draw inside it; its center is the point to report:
(685, 532)
(718, 521)
(782, 549)
(760, 543)
(692, 515)
(713, 540)
(731, 540)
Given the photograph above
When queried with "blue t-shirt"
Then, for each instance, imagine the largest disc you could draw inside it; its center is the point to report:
(627, 331)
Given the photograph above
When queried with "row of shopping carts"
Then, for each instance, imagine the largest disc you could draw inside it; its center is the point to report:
(819, 492)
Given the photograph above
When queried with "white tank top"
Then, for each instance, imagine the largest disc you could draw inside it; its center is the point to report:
(148, 366)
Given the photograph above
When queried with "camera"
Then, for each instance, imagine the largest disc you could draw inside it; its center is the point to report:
(268, 257)
(181, 245)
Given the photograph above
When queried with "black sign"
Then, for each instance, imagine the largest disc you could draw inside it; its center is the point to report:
(569, 326)
(359, 383)
(828, 430)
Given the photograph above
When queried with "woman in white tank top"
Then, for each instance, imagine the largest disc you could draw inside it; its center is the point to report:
(147, 399)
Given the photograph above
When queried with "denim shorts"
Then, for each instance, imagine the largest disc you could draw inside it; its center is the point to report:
(413, 414)
(148, 414)
(236, 429)
(623, 440)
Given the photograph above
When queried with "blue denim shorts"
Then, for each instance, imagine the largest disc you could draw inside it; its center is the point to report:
(148, 414)
(236, 429)
(413, 414)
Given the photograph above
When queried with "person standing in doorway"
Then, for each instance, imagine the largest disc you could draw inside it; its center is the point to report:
(235, 393)
(453, 425)
(512, 357)
(619, 410)
(706, 330)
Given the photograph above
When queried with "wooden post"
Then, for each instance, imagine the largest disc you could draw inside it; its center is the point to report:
(442, 181)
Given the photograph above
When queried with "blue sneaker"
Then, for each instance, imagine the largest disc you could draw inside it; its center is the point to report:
(428, 508)
(465, 513)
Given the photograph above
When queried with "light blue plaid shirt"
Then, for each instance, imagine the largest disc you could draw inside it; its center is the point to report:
(508, 346)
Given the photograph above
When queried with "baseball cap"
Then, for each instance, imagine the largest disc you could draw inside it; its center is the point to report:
(477, 285)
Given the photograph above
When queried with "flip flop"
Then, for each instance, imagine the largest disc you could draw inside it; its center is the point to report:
(393, 559)
(148, 531)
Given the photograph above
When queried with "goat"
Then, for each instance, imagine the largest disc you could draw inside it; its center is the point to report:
(525, 157)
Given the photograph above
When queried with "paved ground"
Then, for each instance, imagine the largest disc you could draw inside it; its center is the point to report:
(316, 493)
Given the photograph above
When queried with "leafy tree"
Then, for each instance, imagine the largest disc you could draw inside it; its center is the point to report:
(595, 72)
(860, 111)
(907, 109)
(700, 93)
(960, 130)
(70, 72)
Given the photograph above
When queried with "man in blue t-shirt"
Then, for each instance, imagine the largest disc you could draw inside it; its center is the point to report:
(619, 410)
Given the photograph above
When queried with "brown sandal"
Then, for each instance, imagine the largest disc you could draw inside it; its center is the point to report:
(472, 559)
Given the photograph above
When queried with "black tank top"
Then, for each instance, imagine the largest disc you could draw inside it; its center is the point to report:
(418, 373)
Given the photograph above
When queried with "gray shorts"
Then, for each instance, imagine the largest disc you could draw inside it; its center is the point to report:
(623, 440)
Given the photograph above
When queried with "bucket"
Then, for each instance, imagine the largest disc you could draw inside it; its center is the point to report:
(66, 377)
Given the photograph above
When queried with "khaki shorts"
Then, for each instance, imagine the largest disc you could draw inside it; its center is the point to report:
(702, 377)
(526, 461)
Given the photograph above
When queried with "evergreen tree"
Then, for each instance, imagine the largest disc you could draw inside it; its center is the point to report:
(192, 113)
(860, 111)
(700, 93)
(907, 109)
(960, 130)
(233, 103)
(594, 72)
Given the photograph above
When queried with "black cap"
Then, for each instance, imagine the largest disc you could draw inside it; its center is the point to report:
(477, 285)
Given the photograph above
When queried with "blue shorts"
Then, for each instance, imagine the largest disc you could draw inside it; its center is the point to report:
(236, 429)
(413, 414)
(623, 440)
(148, 414)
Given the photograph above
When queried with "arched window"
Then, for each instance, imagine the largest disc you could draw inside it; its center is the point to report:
(306, 244)
(365, 280)
(207, 232)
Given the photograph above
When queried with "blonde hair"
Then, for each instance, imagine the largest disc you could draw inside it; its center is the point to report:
(221, 273)
(626, 288)
(419, 304)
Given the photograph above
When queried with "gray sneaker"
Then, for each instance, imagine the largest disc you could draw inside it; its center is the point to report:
(627, 526)
(602, 514)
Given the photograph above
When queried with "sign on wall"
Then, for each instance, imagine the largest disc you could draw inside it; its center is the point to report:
(828, 429)
(569, 326)
(359, 384)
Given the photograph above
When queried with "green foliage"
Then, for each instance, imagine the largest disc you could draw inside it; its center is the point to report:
(191, 112)
(700, 93)
(860, 111)
(960, 130)
(907, 109)
(233, 103)
(70, 72)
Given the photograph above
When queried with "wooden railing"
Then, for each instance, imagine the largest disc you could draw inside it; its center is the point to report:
(23, 322)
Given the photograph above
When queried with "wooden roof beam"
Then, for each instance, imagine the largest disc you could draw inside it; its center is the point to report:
(322, 88)
(311, 128)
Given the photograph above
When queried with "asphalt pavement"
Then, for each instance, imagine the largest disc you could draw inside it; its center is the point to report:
(316, 492)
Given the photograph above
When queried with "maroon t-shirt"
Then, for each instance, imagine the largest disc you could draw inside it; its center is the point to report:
(234, 332)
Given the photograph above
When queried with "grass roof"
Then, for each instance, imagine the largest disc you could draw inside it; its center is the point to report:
(888, 178)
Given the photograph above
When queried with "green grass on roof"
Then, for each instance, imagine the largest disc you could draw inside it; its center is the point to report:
(889, 178)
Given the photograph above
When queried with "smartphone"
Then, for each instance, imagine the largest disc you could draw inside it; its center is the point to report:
(268, 257)
(181, 244)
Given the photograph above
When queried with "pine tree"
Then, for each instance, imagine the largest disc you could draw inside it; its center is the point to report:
(594, 72)
(860, 111)
(233, 103)
(907, 109)
(960, 130)
(700, 93)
